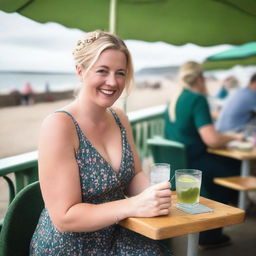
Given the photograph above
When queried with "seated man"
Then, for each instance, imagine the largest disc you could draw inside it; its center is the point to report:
(239, 110)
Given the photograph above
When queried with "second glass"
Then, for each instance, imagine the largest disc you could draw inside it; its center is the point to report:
(188, 184)
(159, 172)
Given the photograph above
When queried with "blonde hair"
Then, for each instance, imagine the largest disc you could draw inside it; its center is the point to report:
(92, 44)
(188, 73)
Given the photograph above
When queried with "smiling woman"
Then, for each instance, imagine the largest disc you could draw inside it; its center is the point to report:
(89, 170)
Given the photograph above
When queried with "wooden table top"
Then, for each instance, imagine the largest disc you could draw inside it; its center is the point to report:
(179, 223)
(234, 153)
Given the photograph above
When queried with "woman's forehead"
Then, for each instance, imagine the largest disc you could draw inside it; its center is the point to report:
(113, 58)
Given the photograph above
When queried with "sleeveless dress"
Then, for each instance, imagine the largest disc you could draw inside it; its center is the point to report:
(99, 184)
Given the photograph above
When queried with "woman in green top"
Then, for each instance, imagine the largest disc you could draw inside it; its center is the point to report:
(188, 120)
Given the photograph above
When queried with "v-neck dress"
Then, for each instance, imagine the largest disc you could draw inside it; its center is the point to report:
(99, 184)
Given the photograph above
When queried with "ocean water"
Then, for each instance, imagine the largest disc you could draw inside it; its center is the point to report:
(56, 81)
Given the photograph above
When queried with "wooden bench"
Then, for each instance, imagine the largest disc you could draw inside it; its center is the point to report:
(237, 182)
(240, 183)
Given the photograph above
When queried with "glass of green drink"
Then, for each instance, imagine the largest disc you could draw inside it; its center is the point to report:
(188, 183)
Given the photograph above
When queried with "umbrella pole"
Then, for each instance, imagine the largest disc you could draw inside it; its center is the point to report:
(112, 29)
(112, 16)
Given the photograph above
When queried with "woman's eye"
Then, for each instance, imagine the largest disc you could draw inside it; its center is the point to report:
(121, 73)
(103, 71)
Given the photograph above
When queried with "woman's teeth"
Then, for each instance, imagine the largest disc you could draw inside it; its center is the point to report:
(108, 92)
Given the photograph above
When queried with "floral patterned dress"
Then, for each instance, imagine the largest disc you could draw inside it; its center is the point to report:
(99, 184)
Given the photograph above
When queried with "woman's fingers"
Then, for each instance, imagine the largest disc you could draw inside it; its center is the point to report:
(164, 206)
(165, 200)
(162, 185)
(155, 200)
(164, 193)
(164, 212)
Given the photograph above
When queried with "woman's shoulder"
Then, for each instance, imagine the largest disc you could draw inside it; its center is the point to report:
(57, 123)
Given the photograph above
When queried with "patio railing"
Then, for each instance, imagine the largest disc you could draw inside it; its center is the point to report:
(20, 170)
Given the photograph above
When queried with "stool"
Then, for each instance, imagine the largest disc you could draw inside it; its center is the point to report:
(242, 184)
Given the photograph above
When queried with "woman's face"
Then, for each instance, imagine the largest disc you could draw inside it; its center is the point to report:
(105, 80)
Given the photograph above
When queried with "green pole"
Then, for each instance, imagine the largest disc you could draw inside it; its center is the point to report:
(112, 16)
(112, 29)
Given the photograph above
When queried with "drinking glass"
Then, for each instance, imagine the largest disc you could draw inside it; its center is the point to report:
(159, 172)
(188, 184)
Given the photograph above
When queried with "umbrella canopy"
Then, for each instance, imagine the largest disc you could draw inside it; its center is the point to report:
(239, 55)
(203, 22)
(238, 52)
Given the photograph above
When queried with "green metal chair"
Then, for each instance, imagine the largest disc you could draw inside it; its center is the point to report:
(20, 221)
(168, 151)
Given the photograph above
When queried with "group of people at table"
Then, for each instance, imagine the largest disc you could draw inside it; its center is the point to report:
(90, 173)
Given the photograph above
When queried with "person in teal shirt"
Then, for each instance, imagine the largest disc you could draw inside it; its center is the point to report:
(188, 120)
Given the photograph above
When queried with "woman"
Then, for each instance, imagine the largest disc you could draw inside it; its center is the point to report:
(89, 170)
(188, 120)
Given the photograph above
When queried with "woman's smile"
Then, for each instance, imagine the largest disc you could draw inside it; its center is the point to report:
(108, 92)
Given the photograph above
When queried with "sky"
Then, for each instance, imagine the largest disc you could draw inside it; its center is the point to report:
(26, 45)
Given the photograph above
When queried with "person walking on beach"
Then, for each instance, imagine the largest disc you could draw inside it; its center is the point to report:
(27, 94)
(188, 120)
(89, 169)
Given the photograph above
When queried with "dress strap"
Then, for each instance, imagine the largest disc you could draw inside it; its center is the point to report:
(78, 129)
(63, 111)
(117, 118)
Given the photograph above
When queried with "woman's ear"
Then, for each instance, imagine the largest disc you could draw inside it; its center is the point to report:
(79, 73)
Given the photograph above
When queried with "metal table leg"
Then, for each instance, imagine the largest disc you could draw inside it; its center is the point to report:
(192, 249)
(245, 171)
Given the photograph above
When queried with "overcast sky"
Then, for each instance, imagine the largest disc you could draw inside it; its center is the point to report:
(26, 45)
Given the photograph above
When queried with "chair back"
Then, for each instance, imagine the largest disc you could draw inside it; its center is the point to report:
(168, 151)
(20, 221)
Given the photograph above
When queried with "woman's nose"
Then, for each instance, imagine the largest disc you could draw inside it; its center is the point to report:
(111, 80)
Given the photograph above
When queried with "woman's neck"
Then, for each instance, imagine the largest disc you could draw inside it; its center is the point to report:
(92, 112)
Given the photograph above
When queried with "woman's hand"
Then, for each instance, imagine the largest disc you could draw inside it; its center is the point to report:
(153, 201)
(236, 136)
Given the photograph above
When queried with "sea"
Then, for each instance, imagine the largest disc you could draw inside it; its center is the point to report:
(10, 81)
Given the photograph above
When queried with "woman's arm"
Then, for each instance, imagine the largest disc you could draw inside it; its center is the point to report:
(210, 136)
(60, 185)
(214, 139)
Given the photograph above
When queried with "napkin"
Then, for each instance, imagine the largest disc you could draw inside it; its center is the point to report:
(200, 208)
